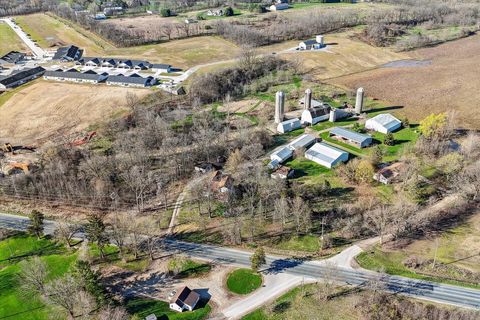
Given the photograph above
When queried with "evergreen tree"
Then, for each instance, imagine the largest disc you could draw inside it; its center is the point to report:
(389, 139)
(258, 258)
(36, 223)
(95, 232)
(90, 281)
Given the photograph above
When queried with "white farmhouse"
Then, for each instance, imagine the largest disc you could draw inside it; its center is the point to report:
(383, 123)
(185, 299)
(312, 44)
(289, 125)
(326, 155)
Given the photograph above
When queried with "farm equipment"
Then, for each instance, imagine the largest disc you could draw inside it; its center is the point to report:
(89, 136)
(9, 148)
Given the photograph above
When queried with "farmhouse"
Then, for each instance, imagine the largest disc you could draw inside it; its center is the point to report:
(390, 173)
(20, 77)
(131, 81)
(283, 172)
(73, 75)
(70, 53)
(312, 44)
(185, 299)
(316, 114)
(326, 155)
(351, 137)
(278, 7)
(289, 125)
(13, 57)
(304, 141)
(221, 182)
(383, 123)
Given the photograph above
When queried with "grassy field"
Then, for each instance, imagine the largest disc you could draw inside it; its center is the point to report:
(186, 268)
(13, 303)
(306, 243)
(448, 83)
(9, 41)
(457, 249)
(301, 303)
(143, 307)
(243, 281)
(51, 32)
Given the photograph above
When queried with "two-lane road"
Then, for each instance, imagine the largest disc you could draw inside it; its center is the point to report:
(441, 293)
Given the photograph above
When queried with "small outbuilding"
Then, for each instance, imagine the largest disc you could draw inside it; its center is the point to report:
(289, 125)
(383, 123)
(221, 182)
(278, 7)
(185, 299)
(389, 174)
(357, 139)
(326, 155)
(312, 44)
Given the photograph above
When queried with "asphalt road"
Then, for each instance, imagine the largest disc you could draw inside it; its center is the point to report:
(441, 293)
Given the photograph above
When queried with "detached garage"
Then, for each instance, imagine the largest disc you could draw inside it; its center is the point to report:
(383, 123)
(326, 155)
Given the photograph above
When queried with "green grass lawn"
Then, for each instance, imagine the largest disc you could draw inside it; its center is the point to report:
(402, 137)
(9, 41)
(13, 302)
(391, 263)
(188, 268)
(243, 281)
(144, 307)
(308, 243)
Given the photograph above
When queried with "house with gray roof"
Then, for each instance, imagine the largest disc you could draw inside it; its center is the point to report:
(312, 44)
(134, 80)
(20, 77)
(13, 57)
(73, 75)
(185, 299)
(70, 53)
(345, 135)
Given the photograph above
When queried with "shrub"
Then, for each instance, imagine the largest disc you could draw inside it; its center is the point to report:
(165, 12)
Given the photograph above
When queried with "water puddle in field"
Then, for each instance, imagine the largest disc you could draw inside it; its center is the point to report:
(407, 63)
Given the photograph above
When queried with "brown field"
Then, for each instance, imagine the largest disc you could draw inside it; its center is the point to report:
(451, 82)
(50, 32)
(47, 110)
(9, 41)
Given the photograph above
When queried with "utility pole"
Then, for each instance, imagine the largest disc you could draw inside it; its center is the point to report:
(435, 255)
(323, 224)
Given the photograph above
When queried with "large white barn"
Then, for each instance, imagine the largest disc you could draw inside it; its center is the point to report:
(289, 125)
(383, 123)
(326, 155)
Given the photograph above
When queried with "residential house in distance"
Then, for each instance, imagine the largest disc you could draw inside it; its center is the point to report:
(13, 57)
(215, 12)
(100, 16)
(315, 114)
(289, 125)
(279, 6)
(383, 123)
(20, 77)
(185, 299)
(221, 182)
(73, 75)
(133, 80)
(389, 174)
(162, 68)
(354, 138)
(312, 44)
(205, 167)
(326, 155)
(66, 54)
(113, 11)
